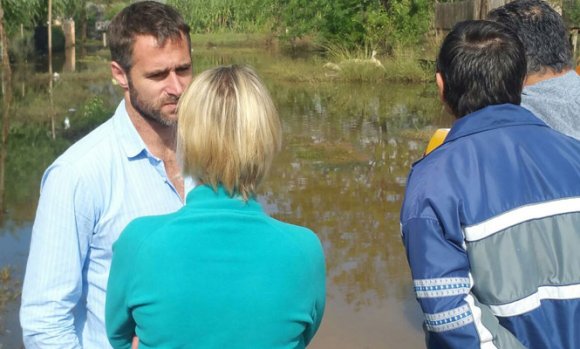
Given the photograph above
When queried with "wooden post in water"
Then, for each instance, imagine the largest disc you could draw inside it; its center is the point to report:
(68, 27)
(6, 102)
(49, 25)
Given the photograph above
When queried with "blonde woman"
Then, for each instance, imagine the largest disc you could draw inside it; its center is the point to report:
(219, 273)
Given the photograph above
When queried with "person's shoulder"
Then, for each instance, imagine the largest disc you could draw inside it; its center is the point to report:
(92, 147)
(82, 160)
(296, 232)
(432, 178)
(302, 243)
(141, 230)
(568, 83)
(440, 160)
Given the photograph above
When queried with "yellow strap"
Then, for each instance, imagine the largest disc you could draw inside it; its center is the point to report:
(436, 140)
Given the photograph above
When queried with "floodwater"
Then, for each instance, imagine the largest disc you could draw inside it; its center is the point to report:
(342, 172)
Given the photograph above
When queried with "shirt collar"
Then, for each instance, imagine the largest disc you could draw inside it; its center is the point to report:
(492, 117)
(130, 140)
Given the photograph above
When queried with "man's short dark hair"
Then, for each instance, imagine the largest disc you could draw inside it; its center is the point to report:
(542, 32)
(144, 18)
(482, 63)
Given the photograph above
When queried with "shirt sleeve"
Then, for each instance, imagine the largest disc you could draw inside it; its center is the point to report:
(319, 288)
(440, 268)
(53, 281)
(118, 318)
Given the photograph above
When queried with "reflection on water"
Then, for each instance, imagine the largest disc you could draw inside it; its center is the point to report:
(70, 62)
(347, 151)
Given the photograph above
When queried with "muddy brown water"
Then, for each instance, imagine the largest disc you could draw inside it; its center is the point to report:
(342, 172)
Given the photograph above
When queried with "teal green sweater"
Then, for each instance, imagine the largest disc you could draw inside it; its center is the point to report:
(218, 273)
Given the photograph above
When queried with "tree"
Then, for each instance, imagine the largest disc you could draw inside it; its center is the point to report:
(21, 12)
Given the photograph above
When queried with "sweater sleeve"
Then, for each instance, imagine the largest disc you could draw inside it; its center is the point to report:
(118, 318)
(440, 268)
(319, 289)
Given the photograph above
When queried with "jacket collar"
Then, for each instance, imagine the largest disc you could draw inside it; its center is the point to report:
(492, 117)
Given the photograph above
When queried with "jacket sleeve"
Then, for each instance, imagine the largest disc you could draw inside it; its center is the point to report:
(118, 318)
(440, 269)
(53, 281)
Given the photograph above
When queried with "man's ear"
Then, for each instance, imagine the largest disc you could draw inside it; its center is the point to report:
(119, 75)
(440, 86)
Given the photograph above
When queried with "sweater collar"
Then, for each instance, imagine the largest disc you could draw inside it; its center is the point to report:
(205, 197)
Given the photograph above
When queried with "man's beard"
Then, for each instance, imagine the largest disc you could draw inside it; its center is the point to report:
(148, 110)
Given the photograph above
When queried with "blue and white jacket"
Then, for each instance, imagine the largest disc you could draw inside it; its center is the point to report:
(491, 225)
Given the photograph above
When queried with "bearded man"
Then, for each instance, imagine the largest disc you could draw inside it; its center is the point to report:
(125, 168)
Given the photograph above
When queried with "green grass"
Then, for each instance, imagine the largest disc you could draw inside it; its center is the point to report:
(230, 39)
(365, 65)
(337, 63)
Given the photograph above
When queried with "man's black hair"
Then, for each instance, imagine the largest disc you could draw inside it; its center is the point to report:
(542, 32)
(482, 63)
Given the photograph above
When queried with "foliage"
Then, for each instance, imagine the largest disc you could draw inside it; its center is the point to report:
(31, 13)
(348, 22)
(17, 12)
(92, 113)
(300, 17)
(409, 20)
(330, 21)
(357, 23)
(206, 16)
(571, 12)
(377, 23)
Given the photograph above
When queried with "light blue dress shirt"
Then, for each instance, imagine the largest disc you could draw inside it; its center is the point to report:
(88, 196)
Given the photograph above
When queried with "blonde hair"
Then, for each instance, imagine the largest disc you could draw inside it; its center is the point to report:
(228, 129)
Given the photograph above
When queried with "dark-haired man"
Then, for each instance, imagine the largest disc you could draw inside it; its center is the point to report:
(491, 218)
(124, 169)
(552, 87)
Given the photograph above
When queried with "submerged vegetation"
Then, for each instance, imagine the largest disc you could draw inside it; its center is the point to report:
(9, 288)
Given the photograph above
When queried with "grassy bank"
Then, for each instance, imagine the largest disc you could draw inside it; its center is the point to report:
(307, 62)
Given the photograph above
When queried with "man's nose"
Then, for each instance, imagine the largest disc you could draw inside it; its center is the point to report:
(175, 85)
